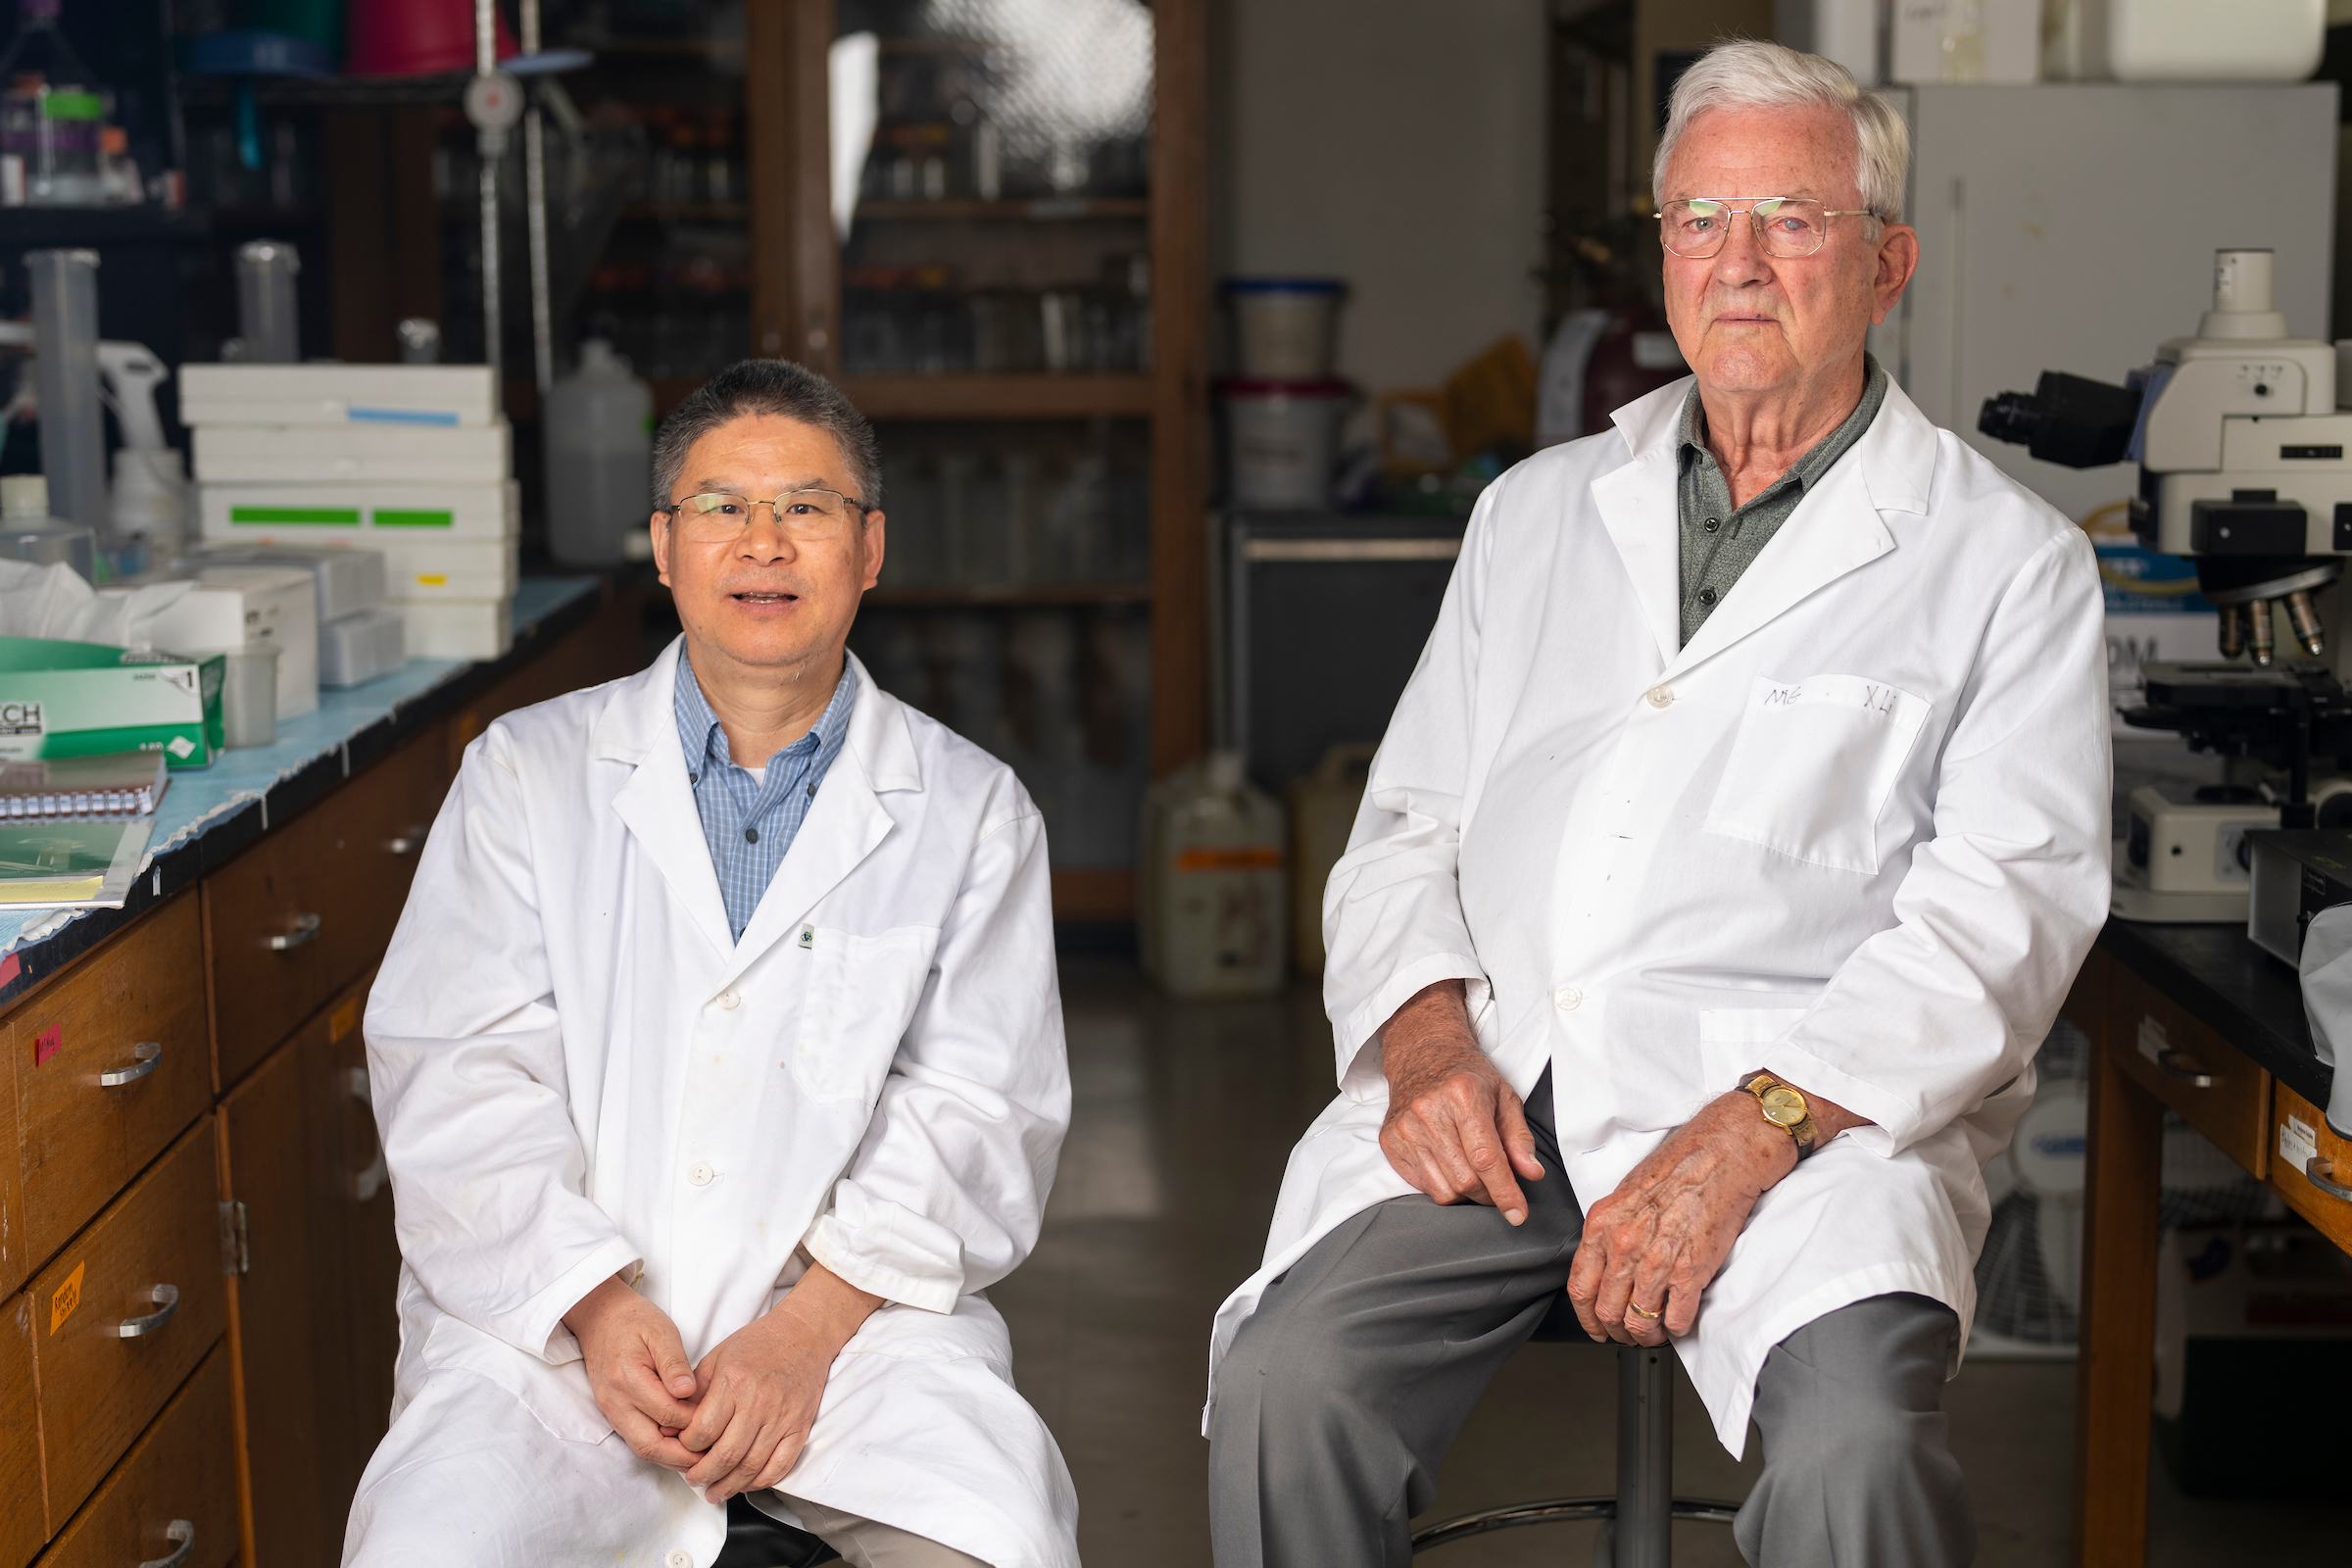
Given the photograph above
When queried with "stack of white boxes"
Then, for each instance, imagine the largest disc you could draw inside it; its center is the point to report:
(410, 459)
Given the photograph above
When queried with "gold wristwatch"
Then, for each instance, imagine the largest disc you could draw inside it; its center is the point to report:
(1784, 1105)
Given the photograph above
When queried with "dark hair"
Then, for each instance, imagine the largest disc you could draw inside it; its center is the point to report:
(769, 386)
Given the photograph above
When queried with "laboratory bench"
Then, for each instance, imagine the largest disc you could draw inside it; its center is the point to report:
(197, 1262)
(2197, 1022)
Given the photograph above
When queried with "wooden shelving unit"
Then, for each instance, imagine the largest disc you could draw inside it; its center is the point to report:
(1001, 397)
(1012, 595)
(1042, 210)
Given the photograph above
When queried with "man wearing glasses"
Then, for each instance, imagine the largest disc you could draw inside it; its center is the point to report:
(718, 1066)
(1724, 863)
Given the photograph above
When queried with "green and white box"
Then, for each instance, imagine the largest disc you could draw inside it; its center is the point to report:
(379, 516)
(66, 698)
(352, 454)
(337, 394)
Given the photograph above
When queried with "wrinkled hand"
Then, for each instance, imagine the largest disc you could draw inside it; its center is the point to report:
(756, 1394)
(637, 1369)
(1663, 1234)
(1454, 1129)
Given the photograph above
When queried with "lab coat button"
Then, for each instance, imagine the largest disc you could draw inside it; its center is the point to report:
(729, 999)
(680, 1558)
(1568, 999)
(701, 1175)
(1659, 696)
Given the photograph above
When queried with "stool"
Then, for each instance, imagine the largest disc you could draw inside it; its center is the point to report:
(754, 1540)
(1637, 1521)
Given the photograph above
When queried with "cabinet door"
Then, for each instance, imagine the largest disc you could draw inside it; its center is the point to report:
(281, 1153)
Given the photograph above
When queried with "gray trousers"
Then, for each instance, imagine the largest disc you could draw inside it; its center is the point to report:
(1343, 1390)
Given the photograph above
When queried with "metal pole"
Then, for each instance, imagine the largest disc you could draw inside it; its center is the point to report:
(491, 147)
(534, 199)
(64, 378)
(1645, 1537)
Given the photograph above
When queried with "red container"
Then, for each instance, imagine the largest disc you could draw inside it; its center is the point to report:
(416, 38)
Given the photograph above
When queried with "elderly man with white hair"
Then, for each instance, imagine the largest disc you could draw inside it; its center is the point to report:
(1725, 860)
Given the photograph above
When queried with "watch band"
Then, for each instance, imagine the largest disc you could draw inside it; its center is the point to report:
(1804, 1133)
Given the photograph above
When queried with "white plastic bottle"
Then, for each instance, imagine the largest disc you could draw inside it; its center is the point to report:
(599, 442)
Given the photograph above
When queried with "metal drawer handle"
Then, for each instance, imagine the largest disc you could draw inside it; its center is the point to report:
(2319, 1171)
(183, 1534)
(145, 1058)
(366, 1184)
(167, 1301)
(2182, 1068)
(405, 843)
(305, 931)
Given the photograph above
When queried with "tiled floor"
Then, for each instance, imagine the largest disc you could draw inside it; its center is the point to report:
(1184, 1116)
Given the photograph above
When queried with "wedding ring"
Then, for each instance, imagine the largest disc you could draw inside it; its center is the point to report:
(1642, 1310)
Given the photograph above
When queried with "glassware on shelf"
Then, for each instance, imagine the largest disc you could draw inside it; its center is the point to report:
(51, 114)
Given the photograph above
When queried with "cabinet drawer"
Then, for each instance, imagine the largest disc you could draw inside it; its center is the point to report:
(301, 913)
(107, 1351)
(110, 1066)
(21, 1524)
(2299, 1132)
(177, 1487)
(2214, 1087)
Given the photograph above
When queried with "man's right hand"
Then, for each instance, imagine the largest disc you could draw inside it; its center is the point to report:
(1454, 1129)
(638, 1371)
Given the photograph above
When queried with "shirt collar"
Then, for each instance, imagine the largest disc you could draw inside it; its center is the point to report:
(1692, 435)
(705, 740)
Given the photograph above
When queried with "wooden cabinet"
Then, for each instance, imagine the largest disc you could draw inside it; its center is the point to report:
(292, 920)
(21, 1520)
(312, 1310)
(2184, 1063)
(121, 1317)
(2313, 1167)
(176, 1488)
(110, 1064)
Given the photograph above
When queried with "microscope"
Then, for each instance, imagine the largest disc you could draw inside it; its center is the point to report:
(2242, 454)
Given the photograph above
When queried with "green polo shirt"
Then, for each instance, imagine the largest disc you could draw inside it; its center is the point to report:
(1719, 541)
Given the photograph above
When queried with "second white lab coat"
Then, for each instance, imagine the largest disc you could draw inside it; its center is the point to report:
(1855, 833)
(578, 1068)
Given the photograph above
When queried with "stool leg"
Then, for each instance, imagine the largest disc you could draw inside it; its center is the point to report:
(1645, 1532)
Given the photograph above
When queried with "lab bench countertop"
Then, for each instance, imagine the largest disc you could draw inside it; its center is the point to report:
(2249, 998)
(208, 815)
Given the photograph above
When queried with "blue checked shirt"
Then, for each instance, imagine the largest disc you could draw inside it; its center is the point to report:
(748, 825)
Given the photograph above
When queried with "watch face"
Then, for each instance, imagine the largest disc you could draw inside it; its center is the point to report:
(1782, 1106)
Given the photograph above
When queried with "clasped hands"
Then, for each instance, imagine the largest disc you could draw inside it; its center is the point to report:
(738, 1421)
(1456, 1132)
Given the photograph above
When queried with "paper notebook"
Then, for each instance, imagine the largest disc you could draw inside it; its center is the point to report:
(65, 865)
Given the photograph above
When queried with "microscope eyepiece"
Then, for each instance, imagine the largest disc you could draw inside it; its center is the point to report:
(2066, 419)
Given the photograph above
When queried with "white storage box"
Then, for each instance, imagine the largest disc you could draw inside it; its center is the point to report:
(337, 394)
(233, 606)
(348, 581)
(361, 647)
(233, 454)
(380, 517)
(420, 571)
(460, 628)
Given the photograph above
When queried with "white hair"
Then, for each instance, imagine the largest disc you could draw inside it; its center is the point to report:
(1750, 73)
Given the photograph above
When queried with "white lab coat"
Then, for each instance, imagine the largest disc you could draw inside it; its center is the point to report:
(577, 1068)
(1855, 834)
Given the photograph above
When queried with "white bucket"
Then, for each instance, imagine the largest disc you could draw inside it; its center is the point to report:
(1281, 438)
(1285, 328)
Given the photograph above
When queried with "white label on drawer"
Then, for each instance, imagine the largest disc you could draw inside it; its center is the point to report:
(2152, 1043)
(2297, 1144)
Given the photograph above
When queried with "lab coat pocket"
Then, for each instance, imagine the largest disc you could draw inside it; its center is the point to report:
(859, 994)
(1812, 766)
(1731, 1041)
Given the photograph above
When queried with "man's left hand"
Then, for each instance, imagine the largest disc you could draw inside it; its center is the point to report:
(757, 1393)
(1659, 1239)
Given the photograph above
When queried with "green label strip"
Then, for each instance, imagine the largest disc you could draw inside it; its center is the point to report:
(385, 519)
(296, 517)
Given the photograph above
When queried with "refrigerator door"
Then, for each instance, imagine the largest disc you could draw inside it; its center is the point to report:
(2072, 228)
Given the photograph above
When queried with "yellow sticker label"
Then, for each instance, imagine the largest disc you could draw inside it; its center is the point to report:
(432, 579)
(342, 1021)
(66, 1298)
